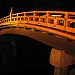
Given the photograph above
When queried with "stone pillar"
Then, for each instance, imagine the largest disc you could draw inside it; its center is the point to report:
(61, 61)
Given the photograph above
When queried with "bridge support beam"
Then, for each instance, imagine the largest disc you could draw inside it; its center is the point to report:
(61, 60)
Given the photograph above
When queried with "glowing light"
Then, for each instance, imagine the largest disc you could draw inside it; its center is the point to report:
(57, 15)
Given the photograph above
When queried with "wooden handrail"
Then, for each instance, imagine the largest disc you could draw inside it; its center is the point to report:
(47, 16)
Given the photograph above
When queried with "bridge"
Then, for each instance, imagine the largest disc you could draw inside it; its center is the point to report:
(54, 28)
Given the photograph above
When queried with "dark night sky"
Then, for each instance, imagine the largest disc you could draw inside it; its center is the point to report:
(30, 5)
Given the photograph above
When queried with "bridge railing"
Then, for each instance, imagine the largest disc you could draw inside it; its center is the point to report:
(54, 19)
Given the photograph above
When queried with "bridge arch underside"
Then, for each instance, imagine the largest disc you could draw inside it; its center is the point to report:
(55, 41)
(52, 40)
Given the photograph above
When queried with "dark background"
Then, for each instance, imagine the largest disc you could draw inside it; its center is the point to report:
(24, 56)
(30, 5)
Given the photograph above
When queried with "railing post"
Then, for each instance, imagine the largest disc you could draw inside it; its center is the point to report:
(66, 17)
(6, 19)
(55, 22)
(24, 16)
(11, 12)
(34, 14)
(17, 21)
(39, 20)
(47, 15)
(28, 18)
(20, 18)
(10, 17)
(17, 17)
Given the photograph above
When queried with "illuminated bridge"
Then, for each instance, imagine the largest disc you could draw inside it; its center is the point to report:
(54, 28)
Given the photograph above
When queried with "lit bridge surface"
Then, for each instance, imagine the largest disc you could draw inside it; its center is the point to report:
(54, 28)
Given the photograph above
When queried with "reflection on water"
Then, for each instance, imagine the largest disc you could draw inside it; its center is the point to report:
(19, 54)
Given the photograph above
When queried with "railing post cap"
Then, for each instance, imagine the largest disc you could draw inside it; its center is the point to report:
(47, 11)
(34, 11)
(66, 12)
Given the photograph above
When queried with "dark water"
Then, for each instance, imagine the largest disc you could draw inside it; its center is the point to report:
(22, 55)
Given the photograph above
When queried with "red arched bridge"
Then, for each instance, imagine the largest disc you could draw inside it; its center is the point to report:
(57, 22)
(54, 28)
